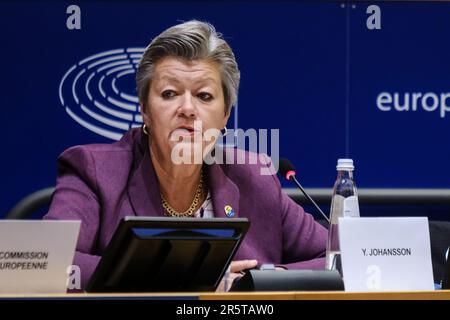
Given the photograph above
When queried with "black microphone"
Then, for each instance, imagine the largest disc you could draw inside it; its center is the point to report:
(287, 170)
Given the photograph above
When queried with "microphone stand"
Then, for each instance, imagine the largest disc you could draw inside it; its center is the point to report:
(293, 178)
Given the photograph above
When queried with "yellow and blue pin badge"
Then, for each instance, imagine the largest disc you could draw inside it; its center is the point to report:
(229, 211)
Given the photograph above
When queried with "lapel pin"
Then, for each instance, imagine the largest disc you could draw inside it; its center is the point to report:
(229, 211)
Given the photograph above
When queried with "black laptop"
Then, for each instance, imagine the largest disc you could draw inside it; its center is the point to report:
(446, 281)
(148, 254)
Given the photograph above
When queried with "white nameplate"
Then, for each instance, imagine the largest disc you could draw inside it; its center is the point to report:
(35, 255)
(386, 254)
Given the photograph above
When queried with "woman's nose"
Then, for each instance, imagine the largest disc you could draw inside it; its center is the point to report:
(187, 107)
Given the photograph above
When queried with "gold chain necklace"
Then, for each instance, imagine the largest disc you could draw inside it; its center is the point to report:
(169, 211)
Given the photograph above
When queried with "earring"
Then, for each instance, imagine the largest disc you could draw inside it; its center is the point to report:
(225, 131)
(144, 128)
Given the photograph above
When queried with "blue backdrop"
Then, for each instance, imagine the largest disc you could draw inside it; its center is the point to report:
(314, 70)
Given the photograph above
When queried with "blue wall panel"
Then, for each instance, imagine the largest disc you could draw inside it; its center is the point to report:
(311, 69)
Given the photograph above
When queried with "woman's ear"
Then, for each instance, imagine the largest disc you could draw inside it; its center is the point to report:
(144, 114)
(225, 118)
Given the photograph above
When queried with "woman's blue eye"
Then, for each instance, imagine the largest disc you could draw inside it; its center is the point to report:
(167, 94)
(205, 96)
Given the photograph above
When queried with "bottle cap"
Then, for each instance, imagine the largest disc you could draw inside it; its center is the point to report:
(345, 164)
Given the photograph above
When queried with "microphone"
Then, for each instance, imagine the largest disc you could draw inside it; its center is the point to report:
(287, 170)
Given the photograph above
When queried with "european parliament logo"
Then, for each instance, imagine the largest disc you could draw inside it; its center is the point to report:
(98, 92)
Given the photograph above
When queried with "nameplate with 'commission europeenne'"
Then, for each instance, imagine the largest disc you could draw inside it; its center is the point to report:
(35, 255)
(386, 254)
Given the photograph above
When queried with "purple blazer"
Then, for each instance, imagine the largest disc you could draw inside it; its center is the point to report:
(100, 184)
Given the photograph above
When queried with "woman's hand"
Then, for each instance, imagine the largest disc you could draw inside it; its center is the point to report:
(236, 268)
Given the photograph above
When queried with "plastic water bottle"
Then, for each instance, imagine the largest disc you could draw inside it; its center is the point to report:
(343, 204)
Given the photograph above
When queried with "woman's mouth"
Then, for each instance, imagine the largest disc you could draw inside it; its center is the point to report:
(185, 131)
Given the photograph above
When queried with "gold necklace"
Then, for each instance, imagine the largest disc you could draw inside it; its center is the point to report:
(169, 211)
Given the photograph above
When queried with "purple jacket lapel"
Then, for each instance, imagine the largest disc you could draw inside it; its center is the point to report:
(143, 188)
(223, 191)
